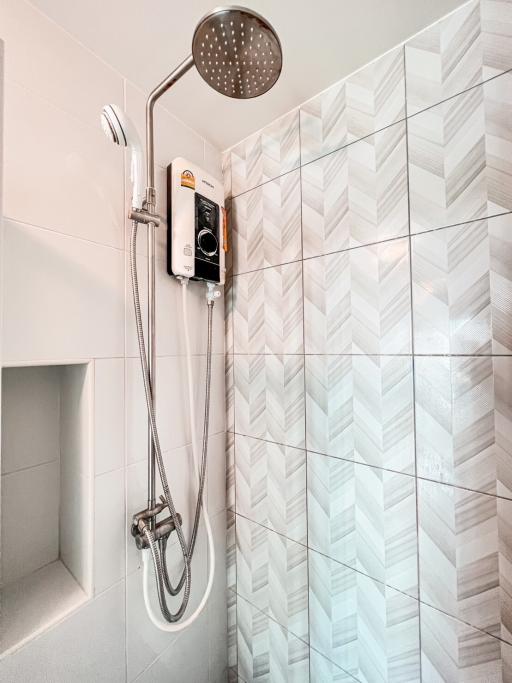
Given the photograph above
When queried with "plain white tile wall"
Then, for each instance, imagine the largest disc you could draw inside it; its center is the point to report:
(76, 472)
(30, 537)
(30, 417)
(67, 298)
(46, 470)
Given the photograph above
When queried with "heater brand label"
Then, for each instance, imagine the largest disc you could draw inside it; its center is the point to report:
(188, 180)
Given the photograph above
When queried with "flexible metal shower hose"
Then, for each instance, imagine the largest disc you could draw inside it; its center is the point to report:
(159, 553)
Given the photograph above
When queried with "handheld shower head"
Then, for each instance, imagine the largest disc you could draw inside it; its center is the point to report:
(237, 52)
(118, 128)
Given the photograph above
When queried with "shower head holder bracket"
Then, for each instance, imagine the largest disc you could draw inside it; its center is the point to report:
(144, 216)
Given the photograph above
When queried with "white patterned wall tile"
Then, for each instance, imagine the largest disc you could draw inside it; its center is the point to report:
(232, 662)
(231, 550)
(357, 195)
(226, 173)
(230, 471)
(322, 670)
(268, 653)
(269, 397)
(460, 304)
(500, 231)
(464, 421)
(267, 154)
(456, 652)
(369, 100)
(460, 160)
(368, 629)
(266, 224)
(361, 408)
(364, 517)
(271, 486)
(323, 123)
(228, 316)
(358, 301)
(460, 51)
(229, 370)
(272, 574)
(268, 310)
(464, 555)
(376, 95)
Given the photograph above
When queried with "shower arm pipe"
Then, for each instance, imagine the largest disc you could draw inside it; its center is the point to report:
(153, 97)
(150, 208)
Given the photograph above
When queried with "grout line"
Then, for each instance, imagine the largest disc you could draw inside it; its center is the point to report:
(413, 377)
(413, 235)
(270, 354)
(266, 614)
(376, 467)
(37, 465)
(59, 233)
(303, 297)
(336, 666)
(481, 84)
(398, 121)
(271, 529)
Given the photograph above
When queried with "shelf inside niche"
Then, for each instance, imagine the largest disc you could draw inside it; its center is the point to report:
(46, 498)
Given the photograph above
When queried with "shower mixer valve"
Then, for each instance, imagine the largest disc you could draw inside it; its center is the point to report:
(160, 530)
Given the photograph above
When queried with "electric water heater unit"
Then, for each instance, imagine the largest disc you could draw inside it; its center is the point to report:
(196, 223)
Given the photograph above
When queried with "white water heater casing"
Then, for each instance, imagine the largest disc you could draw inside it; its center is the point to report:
(195, 223)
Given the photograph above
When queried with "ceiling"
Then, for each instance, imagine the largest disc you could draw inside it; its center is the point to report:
(323, 41)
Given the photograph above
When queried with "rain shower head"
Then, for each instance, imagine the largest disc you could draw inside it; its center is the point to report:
(118, 128)
(237, 52)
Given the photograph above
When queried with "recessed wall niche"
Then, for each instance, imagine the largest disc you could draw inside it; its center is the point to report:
(46, 494)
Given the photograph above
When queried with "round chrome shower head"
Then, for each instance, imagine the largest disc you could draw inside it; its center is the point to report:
(237, 52)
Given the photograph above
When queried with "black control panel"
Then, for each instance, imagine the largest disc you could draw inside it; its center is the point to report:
(207, 237)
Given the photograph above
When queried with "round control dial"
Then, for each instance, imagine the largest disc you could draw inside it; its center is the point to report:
(207, 242)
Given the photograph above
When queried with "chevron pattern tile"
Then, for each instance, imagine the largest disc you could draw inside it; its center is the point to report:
(272, 574)
(368, 629)
(265, 155)
(228, 316)
(369, 372)
(365, 518)
(267, 652)
(465, 545)
(462, 50)
(460, 161)
(464, 421)
(462, 288)
(271, 486)
(230, 471)
(231, 550)
(356, 196)
(268, 310)
(453, 651)
(322, 670)
(232, 657)
(229, 390)
(266, 225)
(369, 100)
(226, 173)
(361, 408)
(358, 301)
(269, 397)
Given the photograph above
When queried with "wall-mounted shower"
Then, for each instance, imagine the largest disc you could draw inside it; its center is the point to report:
(238, 54)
